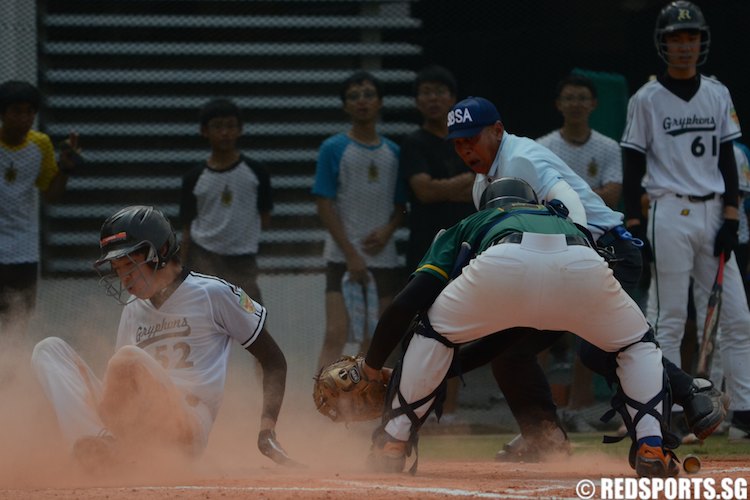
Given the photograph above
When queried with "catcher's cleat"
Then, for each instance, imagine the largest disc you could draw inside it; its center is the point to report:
(95, 453)
(705, 409)
(536, 449)
(387, 454)
(655, 461)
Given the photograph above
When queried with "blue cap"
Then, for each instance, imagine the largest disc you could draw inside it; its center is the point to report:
(468, 117)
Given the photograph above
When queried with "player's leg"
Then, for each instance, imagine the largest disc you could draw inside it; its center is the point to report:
(704, 405)
(141, 405)
(734, 323)
(337, 324)
(430, 352)
(529, 397)
(70, 386)
(414, 390)
(672, 237)
(388, 282)
(18, 288)
(616, 324)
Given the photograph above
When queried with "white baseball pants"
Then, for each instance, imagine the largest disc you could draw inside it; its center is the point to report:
(137, 401)
(545, 284)
(682, 235)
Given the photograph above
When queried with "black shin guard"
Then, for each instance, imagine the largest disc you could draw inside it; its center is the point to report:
(421, 327)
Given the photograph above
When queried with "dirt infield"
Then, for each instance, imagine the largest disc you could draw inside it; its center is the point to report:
(436, 479)
(36, 464)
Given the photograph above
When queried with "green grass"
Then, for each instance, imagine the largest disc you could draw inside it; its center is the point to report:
(484, 446)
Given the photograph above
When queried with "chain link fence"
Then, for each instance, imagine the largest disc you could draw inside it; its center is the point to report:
(130, 75)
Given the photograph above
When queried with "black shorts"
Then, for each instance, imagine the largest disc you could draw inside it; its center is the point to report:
(240, 270)
(18, 287)
(389, 280)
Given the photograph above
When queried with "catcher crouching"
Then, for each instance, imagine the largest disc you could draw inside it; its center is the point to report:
(528, 266)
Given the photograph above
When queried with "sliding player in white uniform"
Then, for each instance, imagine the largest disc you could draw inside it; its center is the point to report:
(165, 382)
(680, 127)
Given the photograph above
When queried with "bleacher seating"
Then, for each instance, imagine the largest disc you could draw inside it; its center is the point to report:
(129, 77)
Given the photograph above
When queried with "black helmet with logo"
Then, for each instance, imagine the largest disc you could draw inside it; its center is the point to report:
(681, 16)
(135, 228)
(507, 190)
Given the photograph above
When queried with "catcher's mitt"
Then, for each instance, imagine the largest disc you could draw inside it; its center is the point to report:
(342, 392)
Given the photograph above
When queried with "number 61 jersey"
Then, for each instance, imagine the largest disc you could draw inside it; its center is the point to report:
(190, 334)
(681, 138)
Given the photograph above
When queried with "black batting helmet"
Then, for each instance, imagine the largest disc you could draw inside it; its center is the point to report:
(135, 228)
(507, 190)
(681, 16)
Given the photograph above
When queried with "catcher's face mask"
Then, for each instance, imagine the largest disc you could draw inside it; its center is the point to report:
(130, 276)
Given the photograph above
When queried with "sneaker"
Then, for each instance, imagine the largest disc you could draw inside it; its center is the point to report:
(691, 439)
(387, 454)
(705, 409)
(738, 435)
(95, 453)
(536, 449)
(655, 461)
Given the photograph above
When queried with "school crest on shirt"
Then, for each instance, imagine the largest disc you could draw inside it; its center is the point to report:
(226, 196)
(11, 174)
(247, 303)
(593, 168)
(372, 172)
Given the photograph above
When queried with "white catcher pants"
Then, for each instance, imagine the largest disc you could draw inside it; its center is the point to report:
(541, 283)
(144, 404)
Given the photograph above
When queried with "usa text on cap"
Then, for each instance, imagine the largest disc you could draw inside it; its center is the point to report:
(468, 117)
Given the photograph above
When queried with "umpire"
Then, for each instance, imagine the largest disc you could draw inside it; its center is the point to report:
(481, 140)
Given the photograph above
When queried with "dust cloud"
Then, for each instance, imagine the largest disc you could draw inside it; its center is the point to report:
(33, 454)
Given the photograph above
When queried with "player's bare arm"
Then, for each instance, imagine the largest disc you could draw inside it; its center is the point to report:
(417, 295)
(273, 363)
(610, 193)
(374, 243)
(427, 189)
(634, 163)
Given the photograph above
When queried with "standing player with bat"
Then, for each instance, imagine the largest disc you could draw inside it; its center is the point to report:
(681, 126)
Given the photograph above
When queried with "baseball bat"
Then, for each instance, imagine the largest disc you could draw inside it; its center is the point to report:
(711, 325)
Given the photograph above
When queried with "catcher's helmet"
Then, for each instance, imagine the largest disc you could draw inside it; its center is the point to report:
(507, 190)
(135, 228)
(681, 16)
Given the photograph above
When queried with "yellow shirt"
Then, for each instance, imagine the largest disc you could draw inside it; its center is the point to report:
(26, 169)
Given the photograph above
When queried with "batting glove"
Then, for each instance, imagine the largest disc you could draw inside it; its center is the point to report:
(727, 238)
